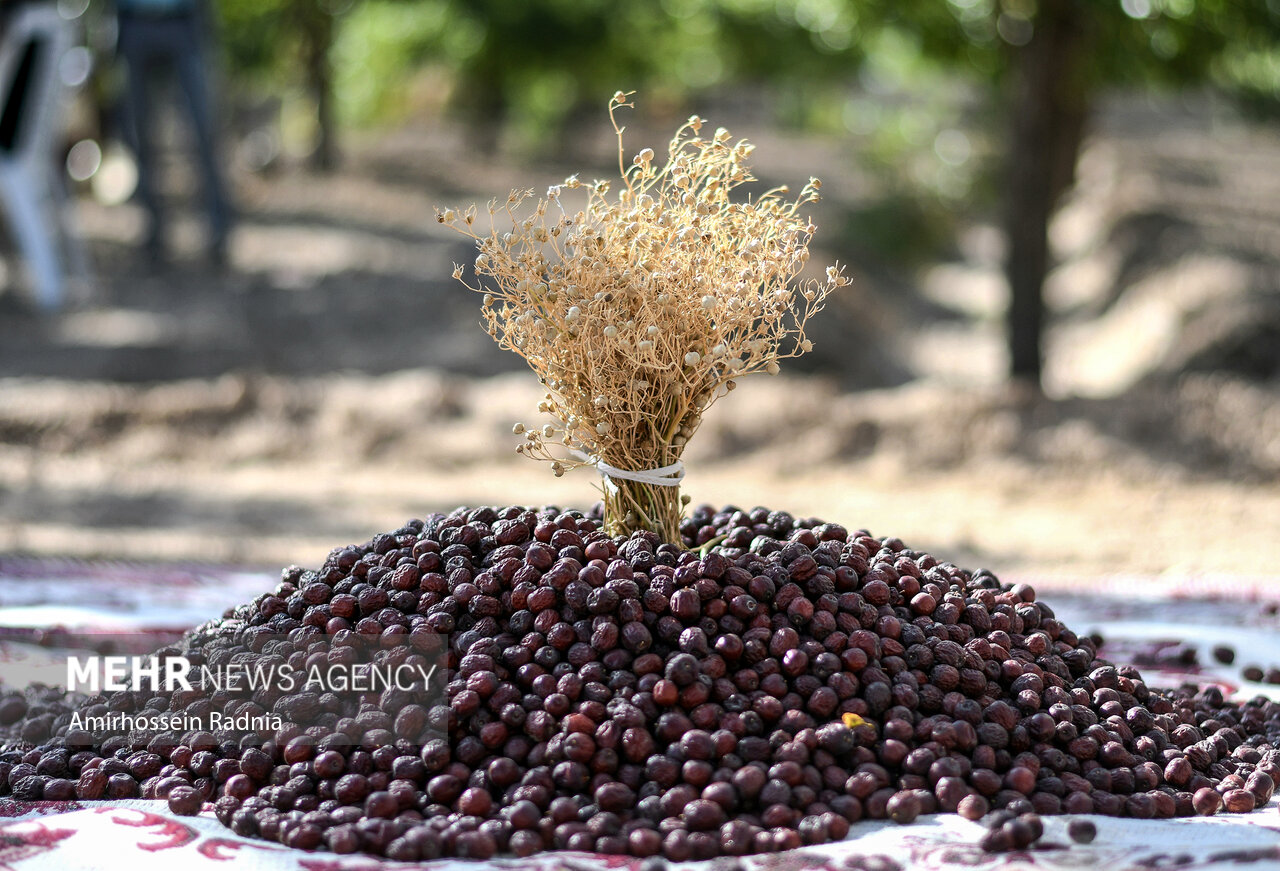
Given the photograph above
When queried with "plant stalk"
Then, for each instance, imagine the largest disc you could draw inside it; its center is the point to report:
(630, 506)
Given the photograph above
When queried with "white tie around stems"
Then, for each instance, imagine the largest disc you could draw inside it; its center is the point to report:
(664, 476)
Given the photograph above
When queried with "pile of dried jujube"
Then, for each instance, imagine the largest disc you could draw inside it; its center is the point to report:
(757, 690)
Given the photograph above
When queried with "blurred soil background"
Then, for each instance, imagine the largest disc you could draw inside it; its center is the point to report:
(332, 379)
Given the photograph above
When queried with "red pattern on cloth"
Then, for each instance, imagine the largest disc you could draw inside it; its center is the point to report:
(171, 832)
(20, 842)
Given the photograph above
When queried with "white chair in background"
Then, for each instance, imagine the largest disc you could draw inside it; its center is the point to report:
(32, 97)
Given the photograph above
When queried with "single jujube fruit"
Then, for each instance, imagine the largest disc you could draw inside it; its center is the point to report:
(185, 801)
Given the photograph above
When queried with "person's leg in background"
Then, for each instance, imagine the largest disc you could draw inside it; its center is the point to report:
(30, 215)
(193, 78)
(138, 47)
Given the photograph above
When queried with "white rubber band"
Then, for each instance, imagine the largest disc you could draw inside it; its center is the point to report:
(666, 476)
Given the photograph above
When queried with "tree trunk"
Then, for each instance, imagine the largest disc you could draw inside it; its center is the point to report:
(318, 31)
(325, 157)
(484, 105)
(1049, 103)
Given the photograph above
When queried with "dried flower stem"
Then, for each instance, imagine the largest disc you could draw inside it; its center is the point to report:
(638, 311)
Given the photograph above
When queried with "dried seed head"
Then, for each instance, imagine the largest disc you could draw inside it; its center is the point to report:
(651, 293)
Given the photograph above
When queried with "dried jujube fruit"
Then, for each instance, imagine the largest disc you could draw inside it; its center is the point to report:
(628, 696)
(1082, 831)
(185, 801)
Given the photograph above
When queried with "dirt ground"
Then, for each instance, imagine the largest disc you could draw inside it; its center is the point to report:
(332, 381)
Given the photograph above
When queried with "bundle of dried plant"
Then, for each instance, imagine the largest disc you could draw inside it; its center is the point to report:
(638, 309)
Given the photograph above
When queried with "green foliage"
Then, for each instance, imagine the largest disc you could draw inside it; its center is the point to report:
(903, 226)
(379, 46)
(1231, 43)
(533, 62)
(253, 38)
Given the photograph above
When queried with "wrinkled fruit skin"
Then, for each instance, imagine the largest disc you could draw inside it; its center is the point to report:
(631, 697)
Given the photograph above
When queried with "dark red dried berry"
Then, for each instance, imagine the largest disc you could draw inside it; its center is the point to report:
(185, 801)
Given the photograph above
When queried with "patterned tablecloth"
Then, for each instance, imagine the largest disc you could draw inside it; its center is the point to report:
(1168, 628)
